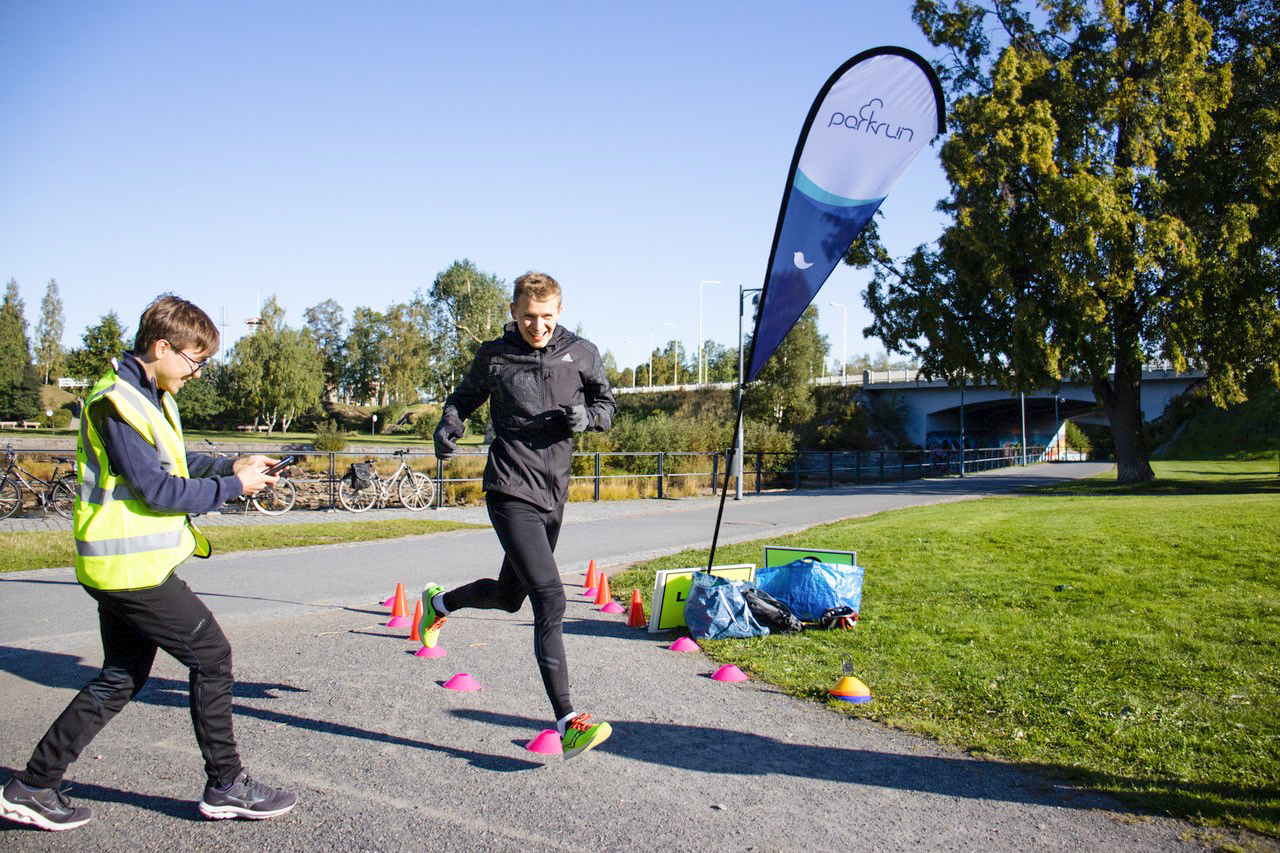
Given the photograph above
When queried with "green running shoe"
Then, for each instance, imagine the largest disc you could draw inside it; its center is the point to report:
(581, 735)
(429, 627)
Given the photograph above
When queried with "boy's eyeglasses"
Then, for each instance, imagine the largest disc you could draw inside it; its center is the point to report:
(196, 366)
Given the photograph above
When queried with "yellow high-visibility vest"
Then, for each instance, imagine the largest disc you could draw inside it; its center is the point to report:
(121, 543)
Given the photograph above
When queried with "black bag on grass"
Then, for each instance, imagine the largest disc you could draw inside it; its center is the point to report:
(771, 612)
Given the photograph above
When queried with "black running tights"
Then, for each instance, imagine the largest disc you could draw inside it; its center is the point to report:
(528, 536)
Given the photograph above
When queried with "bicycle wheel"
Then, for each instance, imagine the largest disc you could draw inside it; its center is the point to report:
(416, 491)
(62, 497)
(356, 500)
(10, 498)
(277, 499)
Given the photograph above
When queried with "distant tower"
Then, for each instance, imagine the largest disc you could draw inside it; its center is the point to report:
(255, 321)
(222, 341)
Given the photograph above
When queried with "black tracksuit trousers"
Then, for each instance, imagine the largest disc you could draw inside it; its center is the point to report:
(528, 535)
(134, 623)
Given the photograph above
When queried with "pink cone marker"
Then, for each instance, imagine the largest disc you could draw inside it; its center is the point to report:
(430, 652)
(547, 743)
(462, 681)
(684, 644)
(729, 672)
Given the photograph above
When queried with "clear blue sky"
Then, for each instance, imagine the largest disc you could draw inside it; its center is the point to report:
(318, 150)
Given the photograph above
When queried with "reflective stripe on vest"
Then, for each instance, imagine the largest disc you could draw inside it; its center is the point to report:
(121, 543)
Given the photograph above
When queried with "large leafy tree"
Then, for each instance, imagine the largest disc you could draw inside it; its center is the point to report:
(50, 355)
(100, 343)
(782, 392)
(1103, 213)
(405, 351)
(277, 370)
(19, 383)
(362, 374)
(15, 347)
(326, 323)
(467, 307)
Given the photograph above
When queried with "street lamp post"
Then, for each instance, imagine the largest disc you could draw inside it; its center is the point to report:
(651, 359)
(1022, 401)
(702, 368)
(1057, 430)
(675, 345)
(634, 365)
(737, 438)
(373, 429)
(844, 342)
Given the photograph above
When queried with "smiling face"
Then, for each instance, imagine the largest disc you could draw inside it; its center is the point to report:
(172, 368)
(536, 319)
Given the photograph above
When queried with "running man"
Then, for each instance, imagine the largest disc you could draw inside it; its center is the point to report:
(544, 384)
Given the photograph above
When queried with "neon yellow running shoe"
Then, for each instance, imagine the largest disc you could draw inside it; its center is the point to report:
(429, 627)
(581, 735)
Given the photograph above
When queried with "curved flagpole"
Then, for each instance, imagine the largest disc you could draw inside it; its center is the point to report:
(877, 119)
(728, 470)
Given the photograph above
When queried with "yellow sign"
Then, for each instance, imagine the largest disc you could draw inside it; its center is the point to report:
(671, 588)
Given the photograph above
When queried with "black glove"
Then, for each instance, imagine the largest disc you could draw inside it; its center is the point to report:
(575, 417)
(446, 438)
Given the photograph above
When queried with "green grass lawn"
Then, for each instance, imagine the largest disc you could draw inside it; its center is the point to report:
(41, 550)
(1125, 638)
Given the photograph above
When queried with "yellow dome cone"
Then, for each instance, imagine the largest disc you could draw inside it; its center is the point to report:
(850, 688)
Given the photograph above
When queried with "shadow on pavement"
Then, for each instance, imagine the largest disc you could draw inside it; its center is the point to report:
(20, 577)
(53, 669)
(180, 809)
(722, 751)
(61, 670)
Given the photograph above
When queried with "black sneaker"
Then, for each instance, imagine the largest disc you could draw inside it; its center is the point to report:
(42, 807)
(245, 798)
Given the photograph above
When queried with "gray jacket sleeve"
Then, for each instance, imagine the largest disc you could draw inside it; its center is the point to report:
(598, 395)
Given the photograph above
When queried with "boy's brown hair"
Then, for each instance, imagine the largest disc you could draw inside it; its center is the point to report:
(538, 286)
(181, 323)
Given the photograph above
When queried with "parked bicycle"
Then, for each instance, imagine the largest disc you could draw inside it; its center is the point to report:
(361, 487)
(57, 493)
(275, 499)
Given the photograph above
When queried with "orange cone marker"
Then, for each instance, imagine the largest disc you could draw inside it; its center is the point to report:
(417, 620)
(602, 594)
(399, 610)
(635, 618)
(590, 581)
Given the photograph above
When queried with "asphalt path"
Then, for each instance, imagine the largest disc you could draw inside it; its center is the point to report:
(334, 706)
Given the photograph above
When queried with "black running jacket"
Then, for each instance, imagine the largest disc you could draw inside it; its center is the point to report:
(532, 450)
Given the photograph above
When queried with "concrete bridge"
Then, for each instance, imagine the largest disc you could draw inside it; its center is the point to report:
(992, 415)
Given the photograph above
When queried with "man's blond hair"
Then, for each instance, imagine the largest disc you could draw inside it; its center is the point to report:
(537, 286)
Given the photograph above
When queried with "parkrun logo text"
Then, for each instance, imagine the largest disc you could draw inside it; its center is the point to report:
(865, 121)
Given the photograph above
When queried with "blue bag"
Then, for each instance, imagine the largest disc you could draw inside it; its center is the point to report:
(809, 586)
(716, 609)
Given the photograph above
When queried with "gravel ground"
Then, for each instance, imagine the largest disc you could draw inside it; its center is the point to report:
(332, 705)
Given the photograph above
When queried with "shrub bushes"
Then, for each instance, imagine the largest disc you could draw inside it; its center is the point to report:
(330, 438)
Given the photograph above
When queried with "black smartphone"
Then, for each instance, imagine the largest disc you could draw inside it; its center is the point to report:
(281, 465)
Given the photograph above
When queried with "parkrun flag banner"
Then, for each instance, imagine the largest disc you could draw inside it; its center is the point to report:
(867, 124)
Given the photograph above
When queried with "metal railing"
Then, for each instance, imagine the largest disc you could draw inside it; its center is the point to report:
(316, 474)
